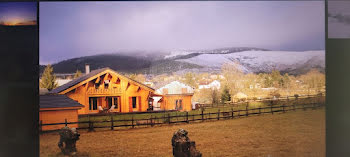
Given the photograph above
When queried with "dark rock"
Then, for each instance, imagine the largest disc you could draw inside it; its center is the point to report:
(182, 146)
(68, 139)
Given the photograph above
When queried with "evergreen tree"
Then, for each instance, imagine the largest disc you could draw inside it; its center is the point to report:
(77, 74)
(48, 79)
(225, 96)
(214, 96)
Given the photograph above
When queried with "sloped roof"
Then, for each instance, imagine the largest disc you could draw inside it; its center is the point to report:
(77, 80)
(163, 83)
(57, 101)
(85, 77)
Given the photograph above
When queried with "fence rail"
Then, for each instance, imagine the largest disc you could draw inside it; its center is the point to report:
(282, 98)
(187, 118)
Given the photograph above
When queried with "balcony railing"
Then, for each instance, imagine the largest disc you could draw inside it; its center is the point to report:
(94, 91)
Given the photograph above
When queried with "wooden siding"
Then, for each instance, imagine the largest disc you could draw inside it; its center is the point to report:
(118, 86)
(58, 116)
(169, 102)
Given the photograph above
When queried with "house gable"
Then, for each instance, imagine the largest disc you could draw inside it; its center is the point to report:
(175, 87)
(98, 77)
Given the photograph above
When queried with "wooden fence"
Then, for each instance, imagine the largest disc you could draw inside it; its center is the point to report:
(167, 118)
(282, 98)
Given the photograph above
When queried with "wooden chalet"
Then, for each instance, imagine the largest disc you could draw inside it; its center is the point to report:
(56, 108)
(176, 96)
(105, 90)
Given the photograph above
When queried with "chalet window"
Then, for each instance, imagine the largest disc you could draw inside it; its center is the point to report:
(180, 104)
(133, 102)
(92, 103)
(109, 101)
(97, 85)
(106, 83)
(176, 105)
(116, 102)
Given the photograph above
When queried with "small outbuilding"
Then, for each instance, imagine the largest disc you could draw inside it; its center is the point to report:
(176, 96)
(55, 108)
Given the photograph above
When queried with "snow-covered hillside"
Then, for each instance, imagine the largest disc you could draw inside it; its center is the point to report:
(262, 61)
(178, 53)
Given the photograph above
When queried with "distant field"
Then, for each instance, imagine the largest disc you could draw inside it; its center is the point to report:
(300, 133)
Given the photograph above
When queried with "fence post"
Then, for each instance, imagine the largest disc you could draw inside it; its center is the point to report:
(65, 121)
(89, 123)
(132, 121)
(112, 125)
(91, 126)
(151, 121)
(155, 120)
(218, 114)
(246, 111)
(186, 117)
(294, 106)
(271, 109)
(169, 118)
(259, 110)
(232, 112)
(202, 116)
(304, 107)
(283, 108)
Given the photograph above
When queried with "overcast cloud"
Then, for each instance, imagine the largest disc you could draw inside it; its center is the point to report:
(74, 29)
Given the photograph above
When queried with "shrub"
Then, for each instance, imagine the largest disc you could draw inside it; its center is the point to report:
(275, 94)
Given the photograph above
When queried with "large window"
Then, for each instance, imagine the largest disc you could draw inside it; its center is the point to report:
(116, 102)
(133, 102)
(109, 101)
(178, 104)
(92, 103)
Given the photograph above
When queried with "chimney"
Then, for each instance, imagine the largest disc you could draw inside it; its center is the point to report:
(87, 68)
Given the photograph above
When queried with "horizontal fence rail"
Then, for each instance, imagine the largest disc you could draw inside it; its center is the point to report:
(185, 117)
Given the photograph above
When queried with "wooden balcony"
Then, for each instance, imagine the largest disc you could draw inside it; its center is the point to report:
(102, 92)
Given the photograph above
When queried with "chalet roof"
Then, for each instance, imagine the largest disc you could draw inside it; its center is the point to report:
(57, 101)
(83, 78)
(163, 83)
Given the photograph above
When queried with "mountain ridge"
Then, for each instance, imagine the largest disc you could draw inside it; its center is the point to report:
(254, 60)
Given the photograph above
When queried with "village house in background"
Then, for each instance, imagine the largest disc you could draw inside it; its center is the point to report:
(176, 96)
(209, 85)
(104, 90)
(61, 82)
(54, 108)
(62, 79)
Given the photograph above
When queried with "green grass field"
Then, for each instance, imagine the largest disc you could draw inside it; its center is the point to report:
(194, 114)
(300, 133)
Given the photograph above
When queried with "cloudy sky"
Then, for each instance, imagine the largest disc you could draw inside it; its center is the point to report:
(74, 29)
(338, 19)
